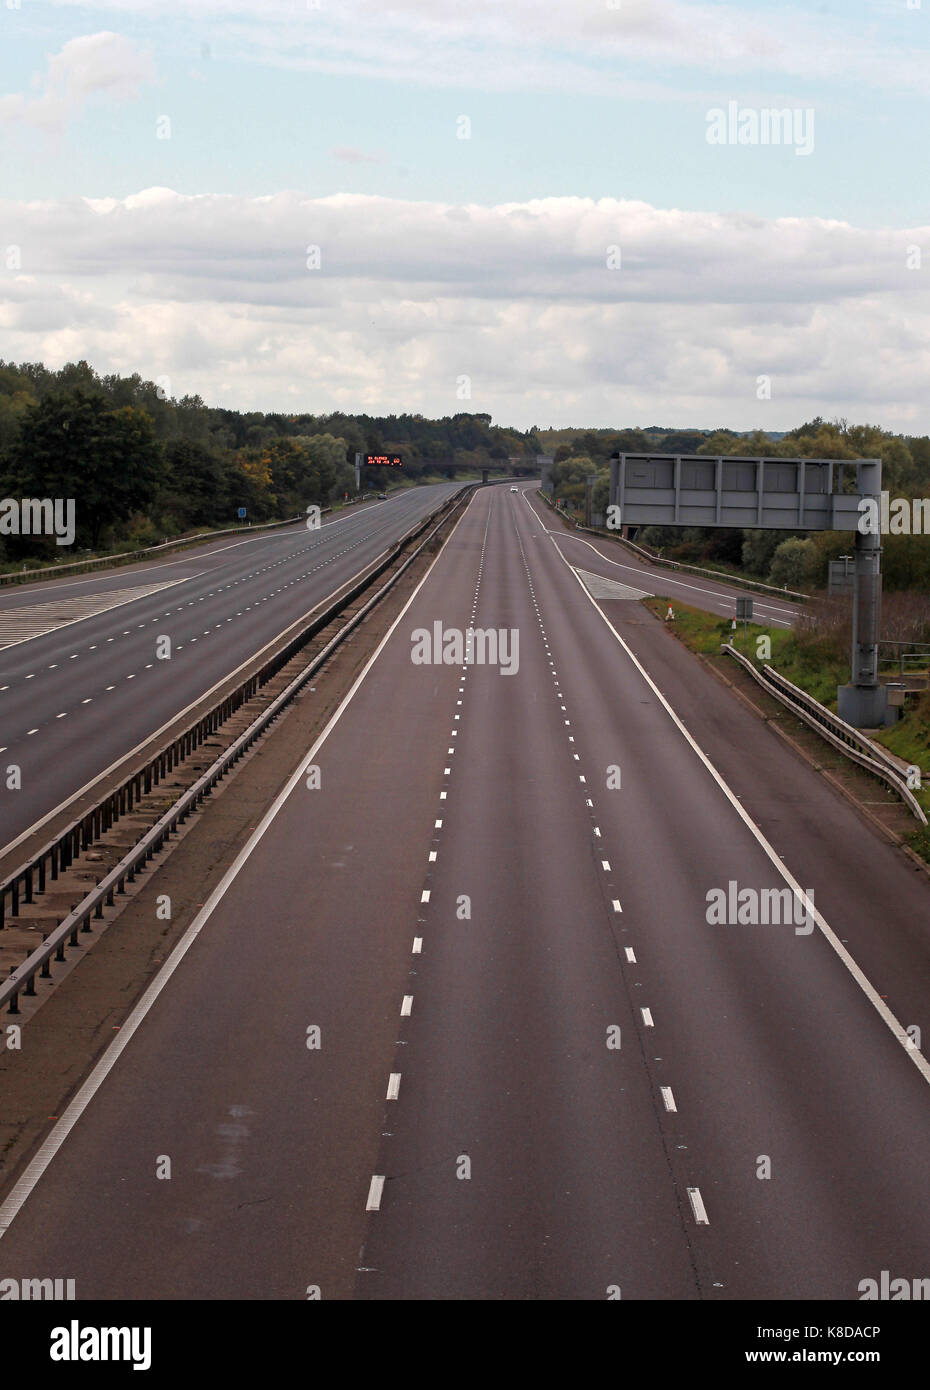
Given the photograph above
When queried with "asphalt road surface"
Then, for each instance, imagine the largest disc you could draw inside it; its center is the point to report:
(78, 697)
(696, 590)
(540, 1071)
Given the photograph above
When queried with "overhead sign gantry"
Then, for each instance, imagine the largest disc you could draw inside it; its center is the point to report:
(772, 494)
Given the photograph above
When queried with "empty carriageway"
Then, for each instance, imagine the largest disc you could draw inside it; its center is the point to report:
(457, 1023)
(82, 681)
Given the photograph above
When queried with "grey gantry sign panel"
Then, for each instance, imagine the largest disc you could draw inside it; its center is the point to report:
(757, 493)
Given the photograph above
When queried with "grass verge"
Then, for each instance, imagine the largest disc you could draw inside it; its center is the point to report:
(814, 667)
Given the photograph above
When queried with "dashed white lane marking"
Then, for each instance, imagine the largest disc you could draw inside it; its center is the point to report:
(861, 979)
(374, 1193)
(697, 1206)
(668, 1098)
(19, 1194)
(406, 1006)
(393, 1090)
(647, 1018)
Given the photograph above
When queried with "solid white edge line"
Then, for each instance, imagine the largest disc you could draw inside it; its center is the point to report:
(682, 584)
(874, 998)
(205, 695)
(85, 617)
(35, 1169)
(194, 555)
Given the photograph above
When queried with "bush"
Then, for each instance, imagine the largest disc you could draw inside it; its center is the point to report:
(757, 551)
(793, 563)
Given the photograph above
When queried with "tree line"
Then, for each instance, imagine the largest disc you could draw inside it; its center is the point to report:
(788, 559)
(143, 466)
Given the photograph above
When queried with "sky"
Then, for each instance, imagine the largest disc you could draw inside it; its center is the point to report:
(558, 212)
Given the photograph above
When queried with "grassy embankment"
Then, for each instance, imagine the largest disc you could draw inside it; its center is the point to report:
(815, 667)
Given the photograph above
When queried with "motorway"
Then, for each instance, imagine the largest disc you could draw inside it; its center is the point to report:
(540, 1071)
(81, 680)
(696, 590)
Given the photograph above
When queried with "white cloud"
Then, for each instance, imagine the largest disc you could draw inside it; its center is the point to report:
(214, 291)
(103, 64)
(529, 44)
(348, 154)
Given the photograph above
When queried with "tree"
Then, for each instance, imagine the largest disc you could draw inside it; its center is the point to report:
(196, 488)
(793, 563)
(757, 550)
(72, 446)
(250, 485)
(683, 442)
